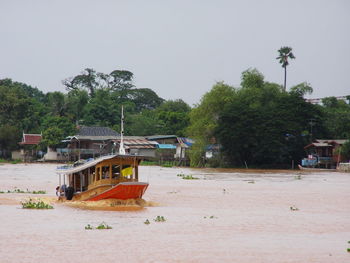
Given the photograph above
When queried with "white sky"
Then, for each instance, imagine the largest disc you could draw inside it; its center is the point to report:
(177, 48)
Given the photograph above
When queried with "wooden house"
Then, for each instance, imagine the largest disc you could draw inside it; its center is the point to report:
(324, 153)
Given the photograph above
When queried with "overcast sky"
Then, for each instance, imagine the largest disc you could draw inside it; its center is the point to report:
(181, 48)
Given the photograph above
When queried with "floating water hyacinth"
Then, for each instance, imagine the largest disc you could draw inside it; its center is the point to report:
(30, 204)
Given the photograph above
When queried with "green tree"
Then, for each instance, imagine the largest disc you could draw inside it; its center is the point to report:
(9, 138)
(262, 126)
(86, 80)
(52, 137)
(204, 120)
(173, 117)
(145, 99)
(337, 117)
(285, 53)
(56, 103)
(302, 89)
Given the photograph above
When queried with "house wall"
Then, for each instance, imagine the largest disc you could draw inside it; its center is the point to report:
(16, 155)
(51, 155)
(144, 152)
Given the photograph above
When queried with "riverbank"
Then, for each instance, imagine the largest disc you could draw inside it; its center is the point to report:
(223, 216)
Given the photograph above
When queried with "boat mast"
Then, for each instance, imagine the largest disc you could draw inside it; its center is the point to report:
(121, 146)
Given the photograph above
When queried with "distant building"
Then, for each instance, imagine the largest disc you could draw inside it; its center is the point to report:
(172, 148)
(324, 153)
(29, 150)
(94, 141)
(89, 142)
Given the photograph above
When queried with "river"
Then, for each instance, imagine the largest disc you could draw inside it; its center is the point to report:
(223, 216)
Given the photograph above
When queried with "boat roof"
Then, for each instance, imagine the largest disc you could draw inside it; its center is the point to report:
(93, 162)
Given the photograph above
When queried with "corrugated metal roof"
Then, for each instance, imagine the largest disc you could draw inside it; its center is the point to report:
(96, 131)
(135, 142)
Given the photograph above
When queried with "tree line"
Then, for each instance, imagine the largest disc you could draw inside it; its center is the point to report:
(257, 124)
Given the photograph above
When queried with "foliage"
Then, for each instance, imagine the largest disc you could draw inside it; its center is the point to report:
(263, 126)
(204, 120)
(337, 118)
(19, 191)
(103, 225)
(30, 204)
(173, 117)
(302, 89)
(159, 219)
(345, 150)
(285, 53)
(88, 227)
(187, 177)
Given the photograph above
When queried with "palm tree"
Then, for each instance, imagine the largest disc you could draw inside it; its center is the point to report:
(284, 54)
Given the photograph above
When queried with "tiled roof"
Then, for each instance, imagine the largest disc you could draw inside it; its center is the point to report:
(30, 139)
(96, 131)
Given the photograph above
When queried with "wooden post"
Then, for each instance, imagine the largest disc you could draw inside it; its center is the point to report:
(81, 181)
(110, 172)
(137, 172)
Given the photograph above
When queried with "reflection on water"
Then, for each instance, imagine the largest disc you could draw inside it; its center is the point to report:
(220, 218)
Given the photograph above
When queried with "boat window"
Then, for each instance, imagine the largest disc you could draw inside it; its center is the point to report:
(105, 172)
(115, 171)
(97, 176)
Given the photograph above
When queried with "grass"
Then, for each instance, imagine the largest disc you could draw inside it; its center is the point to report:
(167, 164)
(30, 204)
(20, 191)
(147, 222)
(10, 161)
(187, 177)
(148, 163)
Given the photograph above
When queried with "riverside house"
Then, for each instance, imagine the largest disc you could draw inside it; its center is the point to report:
(324, 153)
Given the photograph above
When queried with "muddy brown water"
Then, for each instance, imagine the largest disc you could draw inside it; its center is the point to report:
(224, 216)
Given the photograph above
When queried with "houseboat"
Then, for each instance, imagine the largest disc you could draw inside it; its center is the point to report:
(107, 177)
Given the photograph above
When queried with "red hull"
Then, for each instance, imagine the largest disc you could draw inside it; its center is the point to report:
(123, 191)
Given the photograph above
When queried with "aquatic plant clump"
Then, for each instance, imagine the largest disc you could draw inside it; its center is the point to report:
(88, 227)
(19, 191)
(187, 177)
(30, 204)
(159, 219)
(102, 225)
